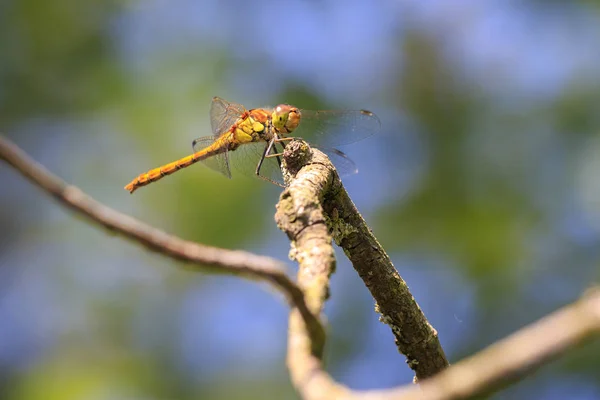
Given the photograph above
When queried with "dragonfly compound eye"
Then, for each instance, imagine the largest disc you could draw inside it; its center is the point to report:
(293, 119)
(280, 115)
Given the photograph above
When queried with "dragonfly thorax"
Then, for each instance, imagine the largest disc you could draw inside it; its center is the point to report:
(285, 118)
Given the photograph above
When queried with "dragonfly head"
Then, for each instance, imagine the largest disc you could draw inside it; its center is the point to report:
(285, 118)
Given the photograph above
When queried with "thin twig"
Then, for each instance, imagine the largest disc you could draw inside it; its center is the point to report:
(521, 353)
(203, 257)
(512, 358)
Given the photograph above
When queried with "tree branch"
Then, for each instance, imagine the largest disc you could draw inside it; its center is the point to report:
(414, 335)
(319, 184)
(203, 257)
(301, 216)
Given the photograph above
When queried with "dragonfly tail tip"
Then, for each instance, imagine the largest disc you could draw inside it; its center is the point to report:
(130, 188)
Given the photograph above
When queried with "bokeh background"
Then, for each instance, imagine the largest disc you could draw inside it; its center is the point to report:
(483, 185)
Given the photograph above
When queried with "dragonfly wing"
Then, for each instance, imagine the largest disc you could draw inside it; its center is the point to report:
(343, 164)
(337, 127)
(245, 159)
(218, 162)
(223, 114)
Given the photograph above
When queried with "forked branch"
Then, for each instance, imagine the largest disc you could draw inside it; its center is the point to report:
(311, 225)
(314, 191)
(316, 197)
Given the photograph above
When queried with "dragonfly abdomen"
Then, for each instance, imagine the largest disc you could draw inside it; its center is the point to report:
(157, 173)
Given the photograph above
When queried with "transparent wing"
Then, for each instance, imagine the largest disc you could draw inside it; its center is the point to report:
(223, 114)
(245, 159)
(218, 162)
(336, 127)
(343, 164)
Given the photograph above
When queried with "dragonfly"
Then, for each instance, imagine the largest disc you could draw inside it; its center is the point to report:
(253, 140)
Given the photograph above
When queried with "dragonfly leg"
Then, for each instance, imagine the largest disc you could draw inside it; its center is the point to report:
(277, 157)
(265, 155)
(282, 141)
